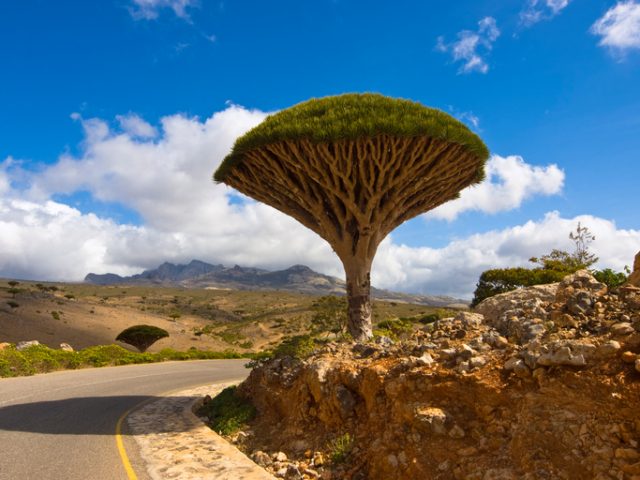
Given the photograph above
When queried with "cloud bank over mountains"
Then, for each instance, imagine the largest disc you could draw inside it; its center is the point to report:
(163, 175)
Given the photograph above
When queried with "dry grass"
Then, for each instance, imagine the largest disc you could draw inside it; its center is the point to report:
(85, 315)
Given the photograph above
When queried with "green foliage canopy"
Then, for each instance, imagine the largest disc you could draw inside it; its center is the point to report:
(142, 336)
(350, 117)
(610, 278)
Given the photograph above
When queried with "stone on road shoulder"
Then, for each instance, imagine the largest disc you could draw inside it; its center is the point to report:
(187, 448)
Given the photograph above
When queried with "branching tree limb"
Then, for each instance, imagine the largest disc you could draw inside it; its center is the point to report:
(352, 168)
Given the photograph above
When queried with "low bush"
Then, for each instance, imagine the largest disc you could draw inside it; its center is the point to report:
(501, 280)
(42, 359)
(299, 346)
(393, 328)
(340, 448)
(610, 278)
(228, 412)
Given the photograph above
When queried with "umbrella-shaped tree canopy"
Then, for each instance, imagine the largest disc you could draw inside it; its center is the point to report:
(352, 168)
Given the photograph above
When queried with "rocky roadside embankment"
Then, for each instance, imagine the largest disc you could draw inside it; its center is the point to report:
(540, 383)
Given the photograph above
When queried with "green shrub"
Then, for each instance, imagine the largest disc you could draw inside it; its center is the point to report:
(14, 363)
(13, 304)
(299, 346)
(230, 336)
(228, 412)
(43, 358)
(55, 315)
(501, 280)
(40, 358)
(340, 448)
(393, 327)
(610, 278)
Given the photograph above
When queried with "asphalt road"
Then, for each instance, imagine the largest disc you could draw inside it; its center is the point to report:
(62, 425)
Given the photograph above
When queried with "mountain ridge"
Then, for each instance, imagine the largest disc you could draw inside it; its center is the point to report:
(297, 278)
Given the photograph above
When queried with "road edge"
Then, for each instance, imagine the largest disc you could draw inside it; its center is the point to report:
(191, 450)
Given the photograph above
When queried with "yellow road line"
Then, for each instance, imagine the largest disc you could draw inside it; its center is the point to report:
(131, 474)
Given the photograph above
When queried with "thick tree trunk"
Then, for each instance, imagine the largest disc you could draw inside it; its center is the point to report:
(359, 299)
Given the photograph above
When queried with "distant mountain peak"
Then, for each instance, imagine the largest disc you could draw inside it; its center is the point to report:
(297, 278)
(299, 268)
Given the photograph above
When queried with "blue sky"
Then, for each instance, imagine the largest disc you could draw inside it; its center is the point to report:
(90, 89)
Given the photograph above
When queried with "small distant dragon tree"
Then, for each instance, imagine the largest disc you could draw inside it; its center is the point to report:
(352, 168)
(142, 336)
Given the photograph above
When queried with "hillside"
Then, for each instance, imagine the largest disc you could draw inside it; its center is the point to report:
(211, 319)
(297, 279)
(539, 383)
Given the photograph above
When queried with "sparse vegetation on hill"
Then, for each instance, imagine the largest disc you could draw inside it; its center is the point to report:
(245, 321)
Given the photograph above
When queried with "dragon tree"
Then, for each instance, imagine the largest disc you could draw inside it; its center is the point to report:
(352, 168)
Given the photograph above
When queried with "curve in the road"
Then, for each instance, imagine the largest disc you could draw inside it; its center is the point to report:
(62, 425)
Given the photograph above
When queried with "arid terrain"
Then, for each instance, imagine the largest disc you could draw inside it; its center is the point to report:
(538, 383)
(209, 319)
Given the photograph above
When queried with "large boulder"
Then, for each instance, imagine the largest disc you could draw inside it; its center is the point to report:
(519, 315)
(493, 308)
(634, 278)
(574, 286)
(24, 345)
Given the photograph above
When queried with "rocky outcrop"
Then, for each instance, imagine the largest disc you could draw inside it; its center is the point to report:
(536, 383)
(634, 278)
(493, 308)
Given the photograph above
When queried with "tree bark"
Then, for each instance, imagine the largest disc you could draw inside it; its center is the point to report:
(359, 299)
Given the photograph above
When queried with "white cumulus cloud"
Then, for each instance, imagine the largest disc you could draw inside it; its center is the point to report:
(166, 180)
(455, 268)
(509, 181)
(538, 10)
(619, 27)
(471, 46)
(136, 126)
